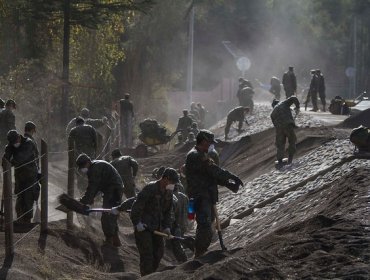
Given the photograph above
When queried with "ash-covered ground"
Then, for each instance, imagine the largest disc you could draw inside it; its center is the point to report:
(310, 220)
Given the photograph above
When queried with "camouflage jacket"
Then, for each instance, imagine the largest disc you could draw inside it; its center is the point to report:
(22, 158)
(29, 136)
(127, 108)
(95, 123)
(84, 140)
(127, 168)
(289, 81)
(103, 177)
(181, 211)
(281, 115)
(203, 175)
(7, 122)
(184, 123)
(153, 208)
(236, 114)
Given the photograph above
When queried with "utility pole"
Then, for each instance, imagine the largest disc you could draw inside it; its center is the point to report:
(189, 80)
(65, 74)
(355, 57)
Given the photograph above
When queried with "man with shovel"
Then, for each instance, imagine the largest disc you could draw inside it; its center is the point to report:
(104, 178)
(203, 176)
(152, 214)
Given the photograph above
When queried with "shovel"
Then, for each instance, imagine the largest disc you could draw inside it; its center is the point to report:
(187, 241)
(218, 227)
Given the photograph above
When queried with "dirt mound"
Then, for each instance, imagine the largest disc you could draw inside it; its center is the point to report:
(362, 118)
(326, 239)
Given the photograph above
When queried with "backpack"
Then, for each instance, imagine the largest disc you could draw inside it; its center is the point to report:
(360, 138)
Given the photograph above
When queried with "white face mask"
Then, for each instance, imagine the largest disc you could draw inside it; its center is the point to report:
(211, 148)
(84, 170)
(16, 145)
(170, 187)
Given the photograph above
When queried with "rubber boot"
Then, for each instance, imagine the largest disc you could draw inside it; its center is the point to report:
(324, 108)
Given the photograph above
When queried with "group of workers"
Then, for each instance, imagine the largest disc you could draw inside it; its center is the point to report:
(161, 205)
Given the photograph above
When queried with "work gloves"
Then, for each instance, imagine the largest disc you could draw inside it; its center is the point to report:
(115, 210)
(167, 231)
(234, 187)
(140, 227)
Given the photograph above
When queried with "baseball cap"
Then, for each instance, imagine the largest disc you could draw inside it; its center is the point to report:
(207, 135)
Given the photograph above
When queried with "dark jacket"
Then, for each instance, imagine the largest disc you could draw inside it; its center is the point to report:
(84, 139)
(153, 208)
(236, 114)
(127, 168)
(184, 123)
(103, 177)
(203, 175)
(18, 157)
(7, 122)
(281, 115)
(289, 81)
(29, 136)
(127, 108)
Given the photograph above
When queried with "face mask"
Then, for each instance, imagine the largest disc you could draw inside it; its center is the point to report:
(211, 148)
(84, 170)
(170, 187)
(16, 145)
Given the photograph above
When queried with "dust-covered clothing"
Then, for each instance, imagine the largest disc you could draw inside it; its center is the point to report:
(235, 115)
(153, 208)
(95, 123)
(179, 226)
(283, 121)
(84, 140)
(103, 177)
(203, 176)
(275, 87)
(321, 90)
(289, 83)
(127, 168)
(25, 173)
(184, 124)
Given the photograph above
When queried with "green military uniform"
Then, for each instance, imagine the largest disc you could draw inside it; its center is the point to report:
(154, 209)
(235, 115)
(289, 83)
(184, 124)
(275, 87)
(95, 123)
(203, 176)
(127, 168)
(180, 224)
(25, 173)
(103, 177)
(283, 121)
(84, 140)
(7, 122)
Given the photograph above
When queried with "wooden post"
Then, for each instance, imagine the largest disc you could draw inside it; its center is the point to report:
(44, 186)
(8, 210)
(71, 182)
